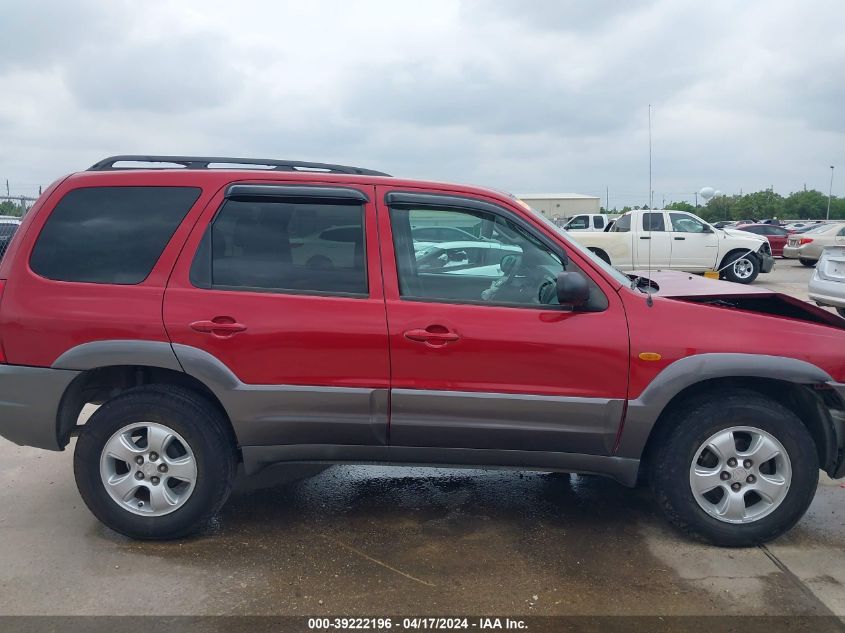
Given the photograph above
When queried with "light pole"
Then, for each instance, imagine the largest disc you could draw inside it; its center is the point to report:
(830, 192)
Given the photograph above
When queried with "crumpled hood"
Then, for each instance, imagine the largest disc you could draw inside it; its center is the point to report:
(698, 289)
(677, 284)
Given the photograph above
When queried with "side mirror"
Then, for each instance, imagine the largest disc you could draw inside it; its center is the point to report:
(572, 289)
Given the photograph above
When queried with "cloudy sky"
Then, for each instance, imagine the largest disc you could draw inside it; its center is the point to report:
(524, 95)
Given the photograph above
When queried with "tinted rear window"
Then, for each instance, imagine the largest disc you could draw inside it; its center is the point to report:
(278, 246)
(111, 235)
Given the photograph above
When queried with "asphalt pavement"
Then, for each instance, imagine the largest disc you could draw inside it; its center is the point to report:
(358, 540)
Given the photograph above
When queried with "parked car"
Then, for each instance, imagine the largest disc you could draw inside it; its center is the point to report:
(775, 234)
(435, 234)
(807, 246)
(827, 285)
(476, 258)
(587, 222)
(677, 240)
(727, 398)
(8, 228)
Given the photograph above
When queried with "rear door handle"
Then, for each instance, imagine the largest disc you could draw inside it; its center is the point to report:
(434, 336)
(644, 237)
(219, 326)
(680, 238)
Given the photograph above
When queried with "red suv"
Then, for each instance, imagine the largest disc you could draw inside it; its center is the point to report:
(219, 314)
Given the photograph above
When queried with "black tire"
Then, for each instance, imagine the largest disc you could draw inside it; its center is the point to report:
(203, 428)
(730, 274)
(809, 263)
(691, 426)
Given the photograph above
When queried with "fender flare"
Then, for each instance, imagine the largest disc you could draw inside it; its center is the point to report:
(643, 412)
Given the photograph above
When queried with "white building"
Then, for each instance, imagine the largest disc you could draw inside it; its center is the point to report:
(561, 205)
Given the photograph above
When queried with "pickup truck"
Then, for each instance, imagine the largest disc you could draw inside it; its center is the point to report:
(587, 222)
(677, 240)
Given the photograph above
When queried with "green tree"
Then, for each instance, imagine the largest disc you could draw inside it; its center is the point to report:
(807, 205)
(10, 207)
(760, 205)
(681, 206)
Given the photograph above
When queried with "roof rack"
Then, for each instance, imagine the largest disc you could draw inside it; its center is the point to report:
(205, 162)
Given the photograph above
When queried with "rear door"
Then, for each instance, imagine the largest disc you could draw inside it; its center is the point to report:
(481, 357)
(695, 247)
(278, 290)
(653, 244)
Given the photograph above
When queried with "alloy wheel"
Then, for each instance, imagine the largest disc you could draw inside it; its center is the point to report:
(148, 469)
(740, 474)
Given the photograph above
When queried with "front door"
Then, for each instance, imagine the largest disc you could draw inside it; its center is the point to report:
(695, 246)
(482, 357)
(277, 298)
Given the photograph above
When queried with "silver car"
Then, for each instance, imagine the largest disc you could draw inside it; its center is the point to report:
(827, 285)
(807, 247)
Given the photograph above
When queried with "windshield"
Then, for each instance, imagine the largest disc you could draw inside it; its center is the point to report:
(598, 261)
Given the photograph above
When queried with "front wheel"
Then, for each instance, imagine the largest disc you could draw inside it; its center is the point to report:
(155, 462)
(742, 268)
(737, 469)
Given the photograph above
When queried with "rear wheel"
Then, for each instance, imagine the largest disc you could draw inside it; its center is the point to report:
(742, 268)
(809, 263)
(155, 462)
(737, 469)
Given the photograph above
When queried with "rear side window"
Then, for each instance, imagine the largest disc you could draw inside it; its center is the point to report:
(599, 222)
(279, 246)
(110, 235)
(653, 222)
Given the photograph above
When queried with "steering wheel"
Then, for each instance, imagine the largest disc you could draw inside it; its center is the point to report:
(522, 280)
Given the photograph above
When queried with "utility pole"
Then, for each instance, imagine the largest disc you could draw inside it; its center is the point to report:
(830, 192)
(696, 199)
(8, 195)
(607, 199)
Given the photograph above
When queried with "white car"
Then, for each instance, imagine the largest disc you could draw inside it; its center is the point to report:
(481, 259)
(827, 285)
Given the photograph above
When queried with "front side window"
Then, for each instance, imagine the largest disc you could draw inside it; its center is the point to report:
(274, 245)
(109, 235)
(683, 223)
(508, 266)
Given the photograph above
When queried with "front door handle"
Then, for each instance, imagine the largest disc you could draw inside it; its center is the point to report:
(644, 237)
(680, 238)
(433, 336)
(219, 326)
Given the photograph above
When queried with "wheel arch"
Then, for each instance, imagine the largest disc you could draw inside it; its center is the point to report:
(108, 368)
(735, 251)
(797, 385)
